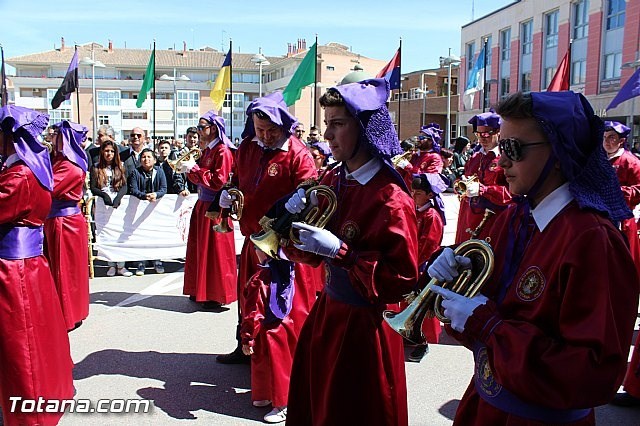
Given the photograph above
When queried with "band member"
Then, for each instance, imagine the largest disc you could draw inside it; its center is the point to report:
(210, 270)
(34, 345)
(551, 330)
(427, 157)
(270, 164)
(490, 190)
(349, 366)
(65, 229)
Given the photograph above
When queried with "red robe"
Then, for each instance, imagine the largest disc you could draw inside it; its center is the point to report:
(65, 238)
(560, 338)
(273, 343)
(349, 365)
(210, 268)
(264, 177)
(34, 346)
(422, 162)
(494, 193)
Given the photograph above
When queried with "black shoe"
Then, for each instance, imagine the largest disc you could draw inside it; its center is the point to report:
(625, 400)
(418, 353)
(192, 298)
(76, 325)
(235, 357)
(211, 305)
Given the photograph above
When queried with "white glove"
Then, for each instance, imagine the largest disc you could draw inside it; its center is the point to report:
(317, 240)
(186, 166)
(445, 267)
(298, 201)
(458, 308)
(226, 199)
(403, 164)
(473, 189)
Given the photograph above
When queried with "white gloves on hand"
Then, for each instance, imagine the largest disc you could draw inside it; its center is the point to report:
(403, 164)
(317, 240)
(458, 308)
(186, 166)
(298, 201)
(473, 189)
(226, 199)
(445, 267)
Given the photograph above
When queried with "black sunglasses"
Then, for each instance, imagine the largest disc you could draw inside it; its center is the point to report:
(486, 134)
(203, 126)
(512, 148)
(133, 135)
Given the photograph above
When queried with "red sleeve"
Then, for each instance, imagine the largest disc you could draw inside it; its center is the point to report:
(255, 294)
(430, 234)
(216, 174)
(68, 181)
(630, 180)
(14, 195)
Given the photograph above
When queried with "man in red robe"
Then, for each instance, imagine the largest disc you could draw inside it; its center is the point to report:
(65, 229)
(270, 164)
(427, 158)
(349, 365)
(551, 330)
(210, 269)
(490, 191)
(34, 346)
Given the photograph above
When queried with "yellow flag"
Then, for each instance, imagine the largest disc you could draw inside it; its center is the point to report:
(223, 82)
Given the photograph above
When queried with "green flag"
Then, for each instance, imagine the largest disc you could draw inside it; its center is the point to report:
(304, 76)
(147, 84)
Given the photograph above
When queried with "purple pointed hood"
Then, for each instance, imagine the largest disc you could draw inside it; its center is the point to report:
(275, 108)
(218, 121)
(73, 136)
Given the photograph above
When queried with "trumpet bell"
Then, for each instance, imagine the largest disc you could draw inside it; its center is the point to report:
(268, 242)
(401, 323)
(223, 226)
(177, 163)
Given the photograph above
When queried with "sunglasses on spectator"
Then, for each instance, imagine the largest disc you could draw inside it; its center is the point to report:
(313, 135)
(486, 134)
(512, 148)
(133, 135)
(203, 126)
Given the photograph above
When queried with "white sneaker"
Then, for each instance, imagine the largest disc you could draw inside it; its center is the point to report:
(277, 415)
(111, 272)
(159, 268)
(261, 403)
(124, 272)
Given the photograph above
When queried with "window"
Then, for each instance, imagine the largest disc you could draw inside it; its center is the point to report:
(612, 64)
(187, 119)
(579, 72)
(39, 93)
(551, 29)
(188, 98)
(244, 77)
(549, 72)
(615, 14)
(525, 81)
(471, 51)
(134, 115)
(526, 37)
(489, 55)
(103, 119)
(580, 19)
(108, 98)
(505, 84)
(505, 44)
(238, 101)
(331, 68)
(56, 115)
(415, 93)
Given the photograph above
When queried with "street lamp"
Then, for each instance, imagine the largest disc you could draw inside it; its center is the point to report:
(631, 65)
(449, 61)
(424, 91)
(93, 63)
(261, 60)
(183, 77)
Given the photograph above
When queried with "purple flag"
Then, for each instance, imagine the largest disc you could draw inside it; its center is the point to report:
(631, 89)
(69, 84)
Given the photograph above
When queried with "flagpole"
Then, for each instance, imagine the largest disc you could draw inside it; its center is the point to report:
(484, 75)
(154, 95)
(400, 85)
(315, 86)
(77, 89)
(3, 84)
(231, 87)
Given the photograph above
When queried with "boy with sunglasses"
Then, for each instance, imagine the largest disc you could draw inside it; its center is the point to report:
(489, 191)
(426, 159)
(551, 330)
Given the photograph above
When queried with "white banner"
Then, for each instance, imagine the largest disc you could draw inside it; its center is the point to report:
(143, 230)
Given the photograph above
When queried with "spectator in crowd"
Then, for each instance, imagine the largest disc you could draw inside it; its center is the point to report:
(175, 180)
(550, 332)
(109, 182)
(65, 229)
(299, 132)
(191, 139)
(635, 150)
(49, 134)
(177, 145)
(131, 158)
(149, 183)
(461, 151)
(34, 356)
(320, 152)
(314, 135)
(447, 167)
(104, 133)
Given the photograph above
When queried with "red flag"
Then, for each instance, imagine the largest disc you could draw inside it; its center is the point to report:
(391, 71)
(560, 80)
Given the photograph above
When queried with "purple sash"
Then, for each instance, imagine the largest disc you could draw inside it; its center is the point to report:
(205, 194)
(20, 242)
(281, 290)
(498, 396)
(339, 287)
(60, 208)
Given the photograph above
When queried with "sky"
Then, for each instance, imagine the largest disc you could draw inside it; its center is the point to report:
(371, 28)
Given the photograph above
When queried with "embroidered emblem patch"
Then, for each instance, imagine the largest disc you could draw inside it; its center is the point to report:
(484, 375)
(424, 166)
(349, 230)
(273, 169)
(531, 284)
(493, 166)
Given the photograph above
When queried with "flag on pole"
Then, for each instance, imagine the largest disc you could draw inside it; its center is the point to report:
(223, 82)
(631, 89)
(69, 83)
(391, 72)
(560, 80)
(3, 83)
(149, 78)
(304, 76)
(475, 82)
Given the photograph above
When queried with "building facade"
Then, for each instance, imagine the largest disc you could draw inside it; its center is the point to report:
(527, 39)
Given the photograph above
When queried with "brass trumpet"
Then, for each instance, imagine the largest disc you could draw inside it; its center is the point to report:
(404, 156)
(460, 186)
(408, 323)
(234, 212)
(275, 229)
(194, 153)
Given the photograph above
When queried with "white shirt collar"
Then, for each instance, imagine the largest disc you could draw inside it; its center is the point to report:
(213, 143)
(13, 158)
(495, 150)
(366, 172)
(425, 206)
(551, 205)
(283, 145)
(617, 154)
